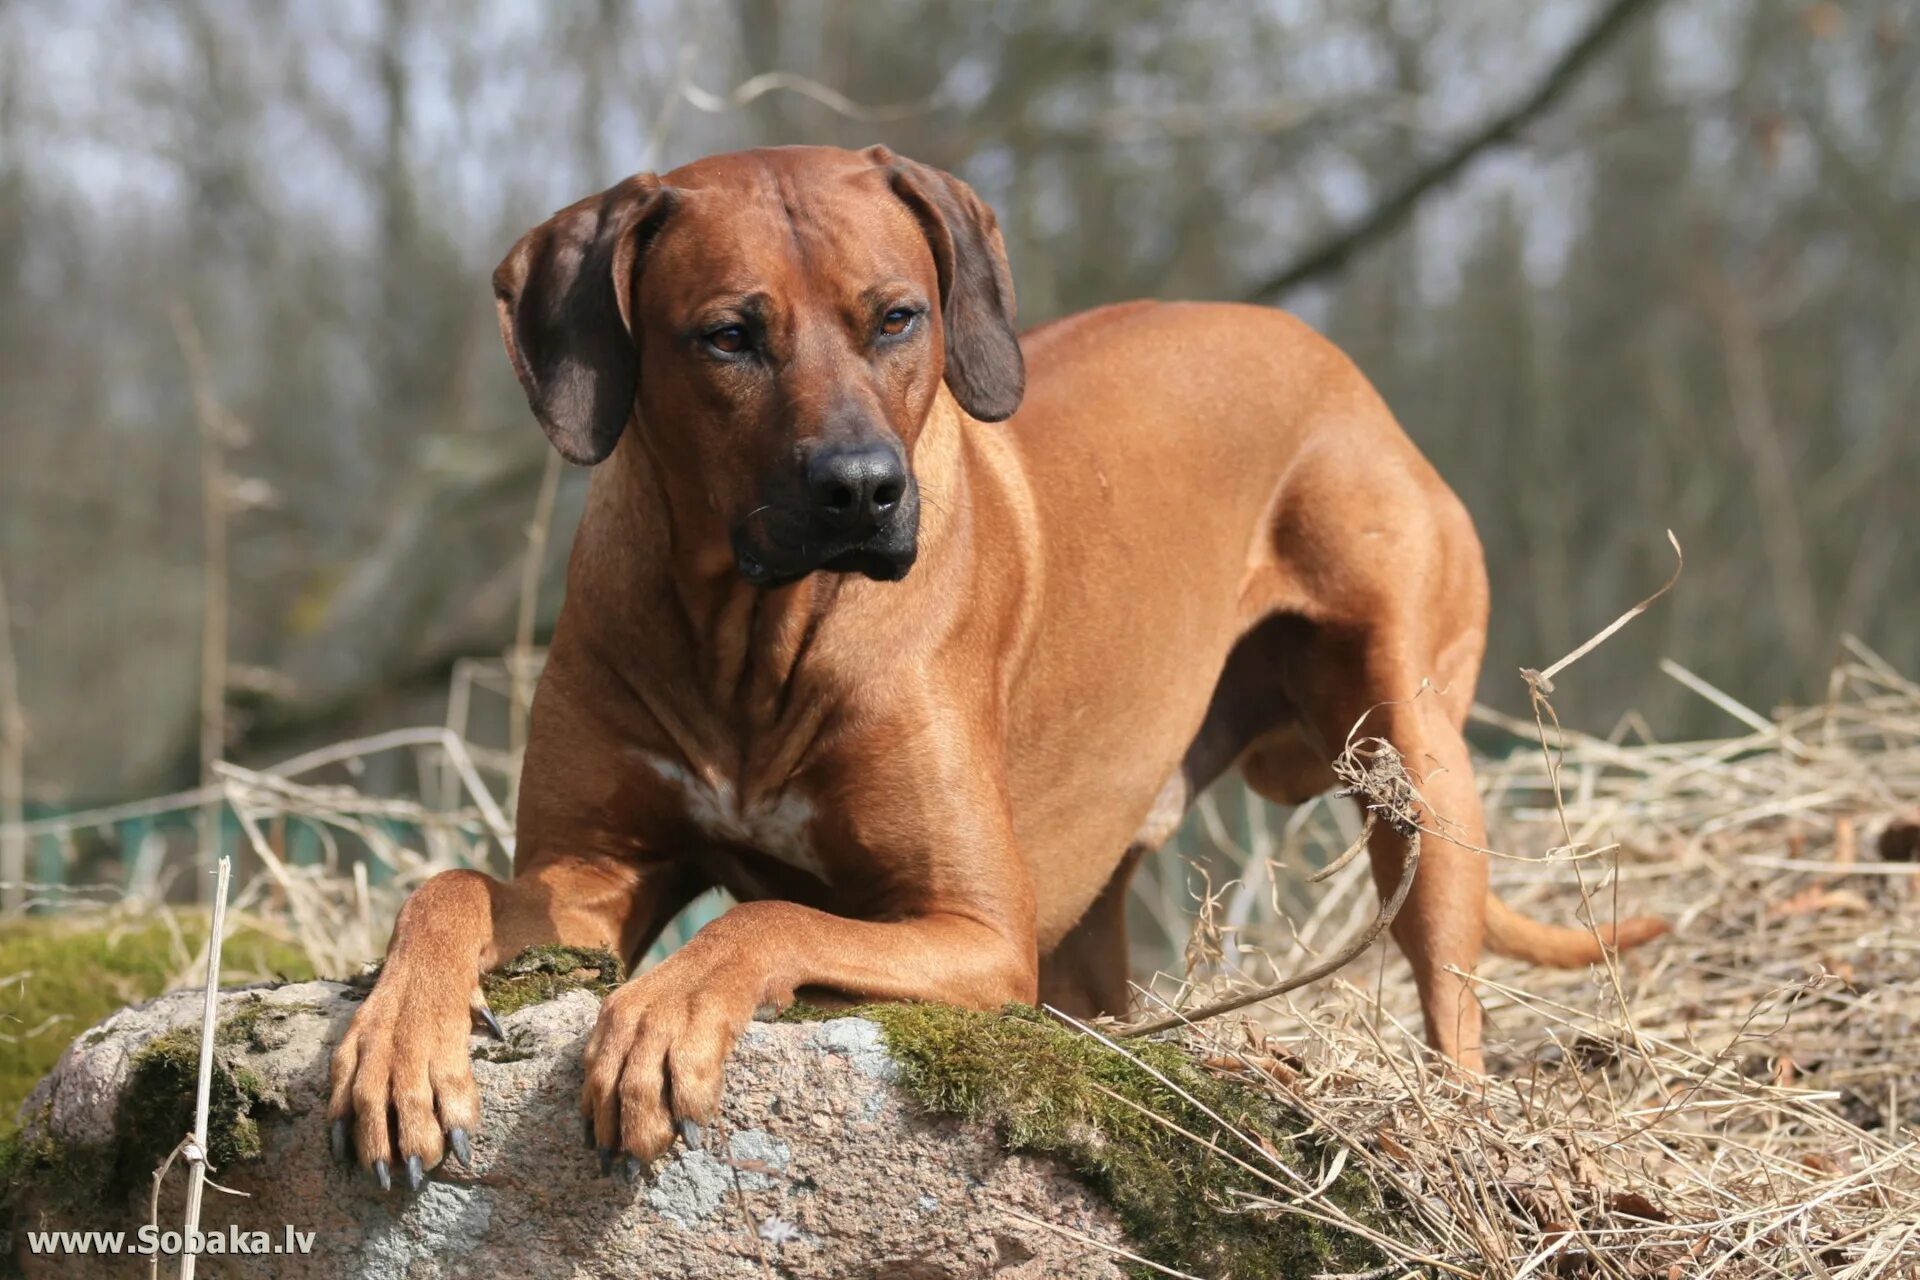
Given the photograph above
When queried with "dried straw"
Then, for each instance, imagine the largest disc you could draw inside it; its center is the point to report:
(1737, 1100)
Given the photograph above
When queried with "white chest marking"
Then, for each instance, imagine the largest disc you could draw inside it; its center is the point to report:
(775, 825)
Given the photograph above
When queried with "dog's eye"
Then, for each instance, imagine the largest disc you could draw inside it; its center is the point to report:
(898, 321)
(729, 339)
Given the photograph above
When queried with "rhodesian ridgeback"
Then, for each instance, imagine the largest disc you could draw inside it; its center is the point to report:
(915, 635)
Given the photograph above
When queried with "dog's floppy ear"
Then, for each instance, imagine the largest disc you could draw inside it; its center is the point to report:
(984, 367)
(565, 295)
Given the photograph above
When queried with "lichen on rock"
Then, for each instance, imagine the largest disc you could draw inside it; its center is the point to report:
(889, 1140)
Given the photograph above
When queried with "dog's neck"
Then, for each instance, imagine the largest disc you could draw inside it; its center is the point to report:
(761, 658)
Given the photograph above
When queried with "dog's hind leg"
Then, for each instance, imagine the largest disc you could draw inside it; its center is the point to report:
(1359, 686)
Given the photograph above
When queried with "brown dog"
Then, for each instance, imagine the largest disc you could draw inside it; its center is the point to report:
(1202, 541)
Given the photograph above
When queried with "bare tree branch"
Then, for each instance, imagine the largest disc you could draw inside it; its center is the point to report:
(1333, 252)
(826, 95)
(218, 429)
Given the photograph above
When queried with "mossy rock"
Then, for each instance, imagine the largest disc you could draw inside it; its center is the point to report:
(155, 1108)
(155, 1111)
(542, 973)
(80, 969)
(157, 1104)
(1106, 1117)
(34, 1162)
(1144, 1130)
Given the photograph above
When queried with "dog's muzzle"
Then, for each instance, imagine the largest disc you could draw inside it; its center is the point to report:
(858, 511)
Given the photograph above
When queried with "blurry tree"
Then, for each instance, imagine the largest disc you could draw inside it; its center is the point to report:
(1684, 290)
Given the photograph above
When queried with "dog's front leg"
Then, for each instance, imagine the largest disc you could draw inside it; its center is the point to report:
(960, 931)
(405, 1054)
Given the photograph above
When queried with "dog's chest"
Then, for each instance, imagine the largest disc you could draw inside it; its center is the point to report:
(777, 825)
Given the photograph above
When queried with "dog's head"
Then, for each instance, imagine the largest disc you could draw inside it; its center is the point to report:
(775, 325)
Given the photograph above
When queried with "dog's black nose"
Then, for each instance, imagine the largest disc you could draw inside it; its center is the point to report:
(855, 486)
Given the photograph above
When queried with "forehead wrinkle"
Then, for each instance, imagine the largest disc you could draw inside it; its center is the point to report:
(817, 247)
(845, 249)
(864, 273)
(782, 194)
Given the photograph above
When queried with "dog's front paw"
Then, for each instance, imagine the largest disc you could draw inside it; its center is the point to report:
(406, 1052)
(656, 1059)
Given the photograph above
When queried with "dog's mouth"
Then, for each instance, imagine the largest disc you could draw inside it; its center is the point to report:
(882, 564)
(766, 559)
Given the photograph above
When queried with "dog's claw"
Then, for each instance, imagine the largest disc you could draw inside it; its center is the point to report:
(339, 1136)
(606, 1162)
(383, 1175)
(462, 1149)
(634, 1170)
(692, 1134)
(478, 1004)
(416, 1173)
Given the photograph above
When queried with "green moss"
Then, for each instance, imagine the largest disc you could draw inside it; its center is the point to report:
(244, 1025)
(541, 973)
(253, 1025)
(84, 970)
(1050, 1091)
(67, 974)
(157, 1103)
(155, 1110)
(807, 1011)
(32, 1161)
(26, 1156)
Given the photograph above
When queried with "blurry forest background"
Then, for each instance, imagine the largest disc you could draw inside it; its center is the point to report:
(244, 310)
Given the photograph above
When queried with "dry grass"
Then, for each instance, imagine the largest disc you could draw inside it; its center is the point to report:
(1738, 1100)
(373, 849)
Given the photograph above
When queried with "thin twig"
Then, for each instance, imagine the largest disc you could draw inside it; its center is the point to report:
(1313, 973)
(1397, 205)
(1103, 1246)
(216, 428)
(153, 1200)
(753, 1232)
(1543, 680)
(196, 1152)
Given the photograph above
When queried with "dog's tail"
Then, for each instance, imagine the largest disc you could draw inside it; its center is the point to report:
(1513, 935)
